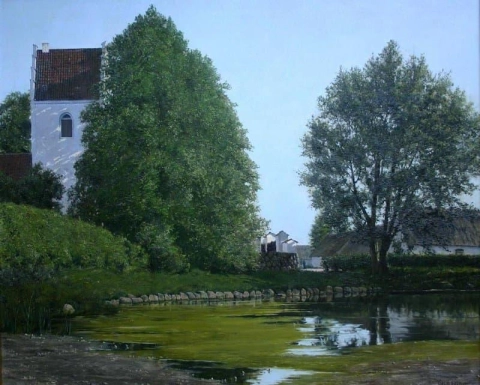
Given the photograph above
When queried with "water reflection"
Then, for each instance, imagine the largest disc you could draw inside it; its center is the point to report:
(276, 376)
(332, 330)
(378, 324)
(327, 337)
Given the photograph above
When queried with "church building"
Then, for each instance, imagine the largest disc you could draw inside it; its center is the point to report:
(63, 82)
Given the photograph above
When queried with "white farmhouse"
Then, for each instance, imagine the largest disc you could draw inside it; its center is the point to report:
(280, 242)
(63, 83)
(289, 246)
(462, 237)
(280, 238)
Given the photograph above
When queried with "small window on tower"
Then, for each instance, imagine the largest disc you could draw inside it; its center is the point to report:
(67, 126)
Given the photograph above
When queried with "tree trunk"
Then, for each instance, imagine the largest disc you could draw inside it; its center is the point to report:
(382, 263)
(374, 256)
(378, 254)
(382, 260)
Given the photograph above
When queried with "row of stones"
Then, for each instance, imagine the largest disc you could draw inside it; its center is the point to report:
(309, 294)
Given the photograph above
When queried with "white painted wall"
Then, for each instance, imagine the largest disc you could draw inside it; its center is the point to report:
(316, 262)
(289, 246)
(280, 238)
(48, 147)
(270, 237)
(312, 263)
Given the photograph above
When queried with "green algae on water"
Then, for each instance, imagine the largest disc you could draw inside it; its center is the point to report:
(253, 335)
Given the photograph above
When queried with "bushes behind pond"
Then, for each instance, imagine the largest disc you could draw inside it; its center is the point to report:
(346, 263)
(434, 261)
(363, 262)
(35, 241)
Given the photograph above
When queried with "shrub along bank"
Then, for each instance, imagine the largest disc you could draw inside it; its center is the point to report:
(36, 246)
(32, 239)
(363, 263)
(412, 272)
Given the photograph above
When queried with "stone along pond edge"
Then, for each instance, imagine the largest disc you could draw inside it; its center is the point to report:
(304, 294)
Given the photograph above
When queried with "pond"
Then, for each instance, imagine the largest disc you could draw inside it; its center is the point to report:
(258, 342)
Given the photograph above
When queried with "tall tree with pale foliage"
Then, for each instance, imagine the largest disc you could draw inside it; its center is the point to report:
(390, 140)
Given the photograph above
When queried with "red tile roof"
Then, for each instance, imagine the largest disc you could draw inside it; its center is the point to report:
(67, 74)
(16, 166)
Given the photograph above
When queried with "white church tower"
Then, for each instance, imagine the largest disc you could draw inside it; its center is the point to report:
(63, 83)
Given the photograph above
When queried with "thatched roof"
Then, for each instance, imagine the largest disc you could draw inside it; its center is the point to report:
(462, 230)
(303, 251)
(455, 228)
(341, 244)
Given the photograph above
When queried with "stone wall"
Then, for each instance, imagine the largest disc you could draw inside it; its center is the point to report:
(305, 294)
(275, 261)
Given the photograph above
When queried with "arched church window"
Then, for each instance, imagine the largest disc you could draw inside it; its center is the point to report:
(66, 126)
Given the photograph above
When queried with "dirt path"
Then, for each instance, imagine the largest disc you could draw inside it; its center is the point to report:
(425, 372)
(55, 360)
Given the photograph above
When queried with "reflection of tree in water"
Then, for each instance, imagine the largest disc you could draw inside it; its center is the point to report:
(328, 340)
(378, 324)
(436, 317)
(456, 305)
(334, 335)
(373, 330)
(394, 319)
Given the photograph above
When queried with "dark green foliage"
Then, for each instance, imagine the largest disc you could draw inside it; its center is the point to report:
(8, 188)
(163, 254)
(362, 262)
(165, 161)
(390, 141)
(15, 123)
(318, 231)
(41, 188)
(434, 261)
(346, 263)
(36, 243)
(36, 247)
(36, 306)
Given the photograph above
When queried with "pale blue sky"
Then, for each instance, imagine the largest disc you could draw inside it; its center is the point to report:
(278, 56)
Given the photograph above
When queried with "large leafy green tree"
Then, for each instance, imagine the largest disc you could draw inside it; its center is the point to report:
(318, 231)
(166, 159)
(391, 139)
(15, 123)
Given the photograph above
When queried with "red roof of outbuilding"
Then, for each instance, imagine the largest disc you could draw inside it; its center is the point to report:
(67, 74)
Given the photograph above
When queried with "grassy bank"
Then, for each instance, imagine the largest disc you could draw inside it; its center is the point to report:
(31, 306)
(109, 285)
(142, 282)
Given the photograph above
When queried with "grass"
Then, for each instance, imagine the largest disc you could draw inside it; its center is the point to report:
(107, 284)
(110, 284)
(428, 278)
